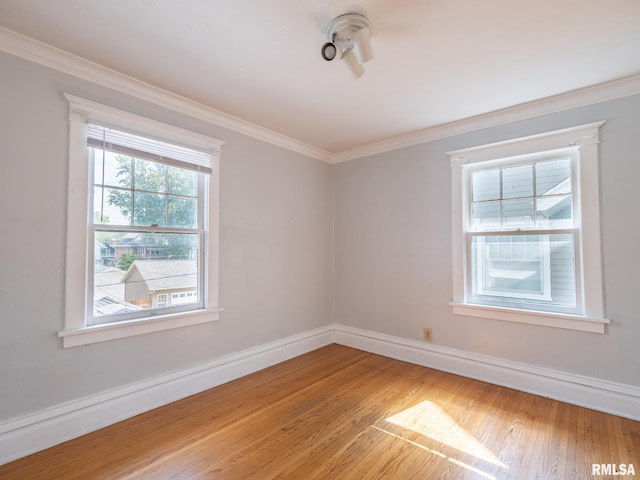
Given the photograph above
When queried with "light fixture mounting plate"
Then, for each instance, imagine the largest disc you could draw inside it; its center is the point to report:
(341, 27)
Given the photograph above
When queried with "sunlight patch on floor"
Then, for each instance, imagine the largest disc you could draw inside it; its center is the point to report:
(431, 421)
(439, 454)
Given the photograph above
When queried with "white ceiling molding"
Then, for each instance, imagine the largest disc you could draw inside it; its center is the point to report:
(43, 54)
(612, 90)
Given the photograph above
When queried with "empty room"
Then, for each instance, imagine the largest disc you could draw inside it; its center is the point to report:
(319, 239)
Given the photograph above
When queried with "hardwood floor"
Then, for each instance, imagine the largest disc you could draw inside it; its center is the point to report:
(340, 413)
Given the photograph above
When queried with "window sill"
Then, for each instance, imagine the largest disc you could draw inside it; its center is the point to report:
(113, 331)
(547, 319)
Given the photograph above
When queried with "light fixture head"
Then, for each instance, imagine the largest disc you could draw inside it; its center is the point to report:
(354, 65)
(349, 33)
(329, 51)
(362, 45)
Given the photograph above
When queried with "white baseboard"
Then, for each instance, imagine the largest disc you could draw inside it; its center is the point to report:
(45, 429)
(609, 397)
(41, 430)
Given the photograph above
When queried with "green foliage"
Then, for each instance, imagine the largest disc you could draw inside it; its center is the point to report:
(154, 194)
(126, 259)
(162, 195)
(99, 218)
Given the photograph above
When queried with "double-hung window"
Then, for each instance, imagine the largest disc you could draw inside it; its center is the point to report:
(526, 230)
(142, 226)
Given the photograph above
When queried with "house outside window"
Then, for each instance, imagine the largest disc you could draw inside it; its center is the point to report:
(526, 230)
(150, 194)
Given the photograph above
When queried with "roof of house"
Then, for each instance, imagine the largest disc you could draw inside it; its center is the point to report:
(165, 274)
(109, 305)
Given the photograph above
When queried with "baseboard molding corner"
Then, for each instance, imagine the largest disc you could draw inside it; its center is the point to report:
(26, 435)
(41, 430)
(608, 397)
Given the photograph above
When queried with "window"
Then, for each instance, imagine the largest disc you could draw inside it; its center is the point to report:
(526, 230)
(143, 207)
(520, 223)
(163, 299)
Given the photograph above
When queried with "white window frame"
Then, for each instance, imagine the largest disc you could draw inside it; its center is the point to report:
(78, 310)
(584, 139)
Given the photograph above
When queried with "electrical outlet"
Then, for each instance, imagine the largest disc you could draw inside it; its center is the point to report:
(427, 334)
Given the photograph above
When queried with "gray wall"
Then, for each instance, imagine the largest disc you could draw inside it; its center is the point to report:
(384, 223)
(392, 250)
(275, 255)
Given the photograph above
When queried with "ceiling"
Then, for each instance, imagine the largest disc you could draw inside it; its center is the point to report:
(436, 61)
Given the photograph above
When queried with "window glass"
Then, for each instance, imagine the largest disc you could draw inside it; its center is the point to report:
(138, 269)
(486, 185)
(523, 268)
(531, 269)
(517, 182)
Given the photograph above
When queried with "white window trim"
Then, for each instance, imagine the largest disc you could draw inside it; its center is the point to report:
(587, 205)
(77, 307)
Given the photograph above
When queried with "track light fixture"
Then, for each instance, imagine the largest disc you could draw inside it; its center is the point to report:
(348, 37)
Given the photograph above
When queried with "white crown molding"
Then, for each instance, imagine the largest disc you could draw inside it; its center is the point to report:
(43, 54)
(38, 52)
(602, 92)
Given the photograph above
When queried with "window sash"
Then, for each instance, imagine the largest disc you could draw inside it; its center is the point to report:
(479, 287)
(199, 230)
(200, 192)
(151, 311)
(536, 198)
(526, 301)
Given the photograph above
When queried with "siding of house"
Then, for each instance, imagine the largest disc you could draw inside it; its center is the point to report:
(561, 282)
(135, 290)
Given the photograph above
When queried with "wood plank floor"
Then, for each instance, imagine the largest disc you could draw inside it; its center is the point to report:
(340, 413)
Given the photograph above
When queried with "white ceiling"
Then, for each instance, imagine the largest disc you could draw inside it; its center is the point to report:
(436, 61)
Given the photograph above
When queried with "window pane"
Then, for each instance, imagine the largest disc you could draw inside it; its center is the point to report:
(486, 185)
(181, 181)
(517, 181)
(553, 177)
(111, 206)
(485, 215)
(536, 269)
(182, 212)
(150, 176)
(503, 268)
(139, 270)
(153, 194)
(563, 281)
(112, 169)
(98, 164)
(518, 213)
(149, 209)
(554, 212)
